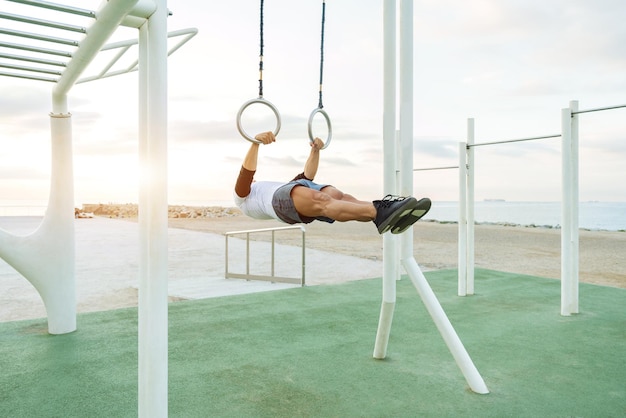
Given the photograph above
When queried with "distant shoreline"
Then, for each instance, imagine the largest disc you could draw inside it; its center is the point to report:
(130, 210)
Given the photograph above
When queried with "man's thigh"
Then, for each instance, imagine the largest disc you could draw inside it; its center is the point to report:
(309, 202)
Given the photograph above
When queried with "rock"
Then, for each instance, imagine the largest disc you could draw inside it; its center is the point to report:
(130, 210)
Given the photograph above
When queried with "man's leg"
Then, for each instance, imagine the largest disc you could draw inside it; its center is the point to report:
(339, 195)
(341, 207)
(393, 214)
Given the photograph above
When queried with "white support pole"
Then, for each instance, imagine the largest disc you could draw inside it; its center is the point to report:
(406, 114)
(462, 358)
(569, 224)
(144, 236)
(406, 145)
(446, 330)
(463, 267)
(46, 258)
(58, 227)
(575, 206)
(153, 320)
(470, 207)
(48, 265)
(390, 242)
(567, 214)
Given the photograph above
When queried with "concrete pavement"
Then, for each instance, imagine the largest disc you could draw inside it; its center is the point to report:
(107, 267)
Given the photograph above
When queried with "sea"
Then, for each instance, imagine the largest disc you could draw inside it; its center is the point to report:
(597, 216)
(600, 216)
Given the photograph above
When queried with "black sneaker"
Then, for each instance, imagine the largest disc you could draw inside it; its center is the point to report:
(391, 209)
(421, 209)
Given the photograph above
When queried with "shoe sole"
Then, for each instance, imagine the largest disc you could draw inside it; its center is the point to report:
(422, 207)
(408, 205)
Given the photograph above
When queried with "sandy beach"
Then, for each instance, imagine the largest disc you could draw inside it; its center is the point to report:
(515, 249)
(107, 257)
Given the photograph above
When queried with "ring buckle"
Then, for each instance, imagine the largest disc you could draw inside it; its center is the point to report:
(262, 101)
(328, 124)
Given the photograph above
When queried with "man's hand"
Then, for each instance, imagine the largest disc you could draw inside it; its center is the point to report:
(317, 144)
(266, 137)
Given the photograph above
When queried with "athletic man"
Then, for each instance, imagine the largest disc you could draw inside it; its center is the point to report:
(303, 201)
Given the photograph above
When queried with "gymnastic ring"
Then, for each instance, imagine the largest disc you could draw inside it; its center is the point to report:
(330, 127)
(262, 101)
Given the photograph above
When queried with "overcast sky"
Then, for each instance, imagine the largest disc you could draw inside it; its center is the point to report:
(510, 64)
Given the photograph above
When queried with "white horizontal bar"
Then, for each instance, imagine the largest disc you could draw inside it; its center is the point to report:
(109, 18)
(27, 77)
(126, 44)
(32, 69)
(276, 279)
(32, 59)
(21, 47)
(57, 7)
(143, 9)
(38, 37)
(190, 32)
(598, 109)
(42, 22)
(435, 168)
(279, 228)
(513, 140)
(131, 42)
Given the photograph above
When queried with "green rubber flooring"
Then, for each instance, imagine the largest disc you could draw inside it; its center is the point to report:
(307, 352)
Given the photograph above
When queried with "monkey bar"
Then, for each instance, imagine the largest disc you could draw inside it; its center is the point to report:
(29, 50)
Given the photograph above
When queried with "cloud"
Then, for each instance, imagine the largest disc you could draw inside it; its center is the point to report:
(23, 173)
(200, 131)
(24, 109)
(611, 142)
(512, 65)
(285, 162)
(17, 101)
(113, 147)
(340, 162)
(437, 147)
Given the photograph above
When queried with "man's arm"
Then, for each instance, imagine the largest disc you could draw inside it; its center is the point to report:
(251, 158)
(248, 167)
(312, 163)
(250, 161)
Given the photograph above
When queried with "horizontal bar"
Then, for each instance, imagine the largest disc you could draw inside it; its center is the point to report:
(190, 33)
(38, 37)
(57, 7)
(32, 69)
(301, 227)
(187, 34)
(435, 168)
(36, 49)
(512, 140)
(107, 75)
(32, 59)
(41, 22)
(598, 109)
(27, 77)
(109, 16)
(278, 279)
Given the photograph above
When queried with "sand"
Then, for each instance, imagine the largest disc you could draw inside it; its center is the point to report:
(107, 252)
(515, 249)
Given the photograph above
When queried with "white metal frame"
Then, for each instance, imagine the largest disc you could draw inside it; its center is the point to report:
(39, 257)
(272, 277)
(569, 205)
(399, 177)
